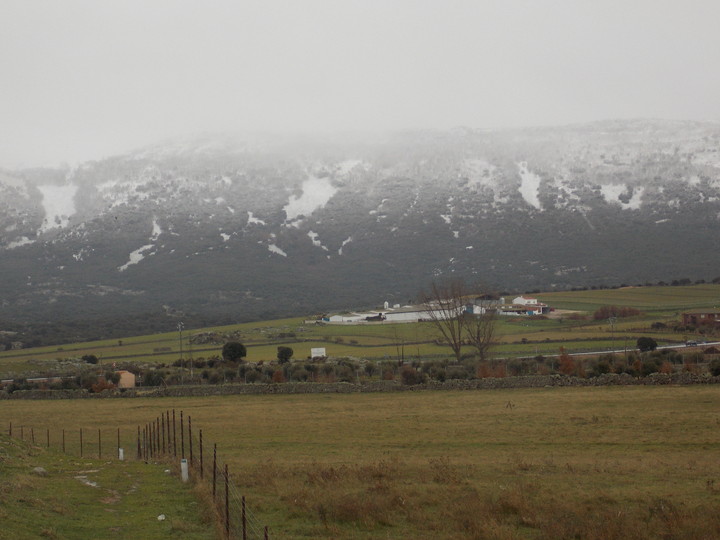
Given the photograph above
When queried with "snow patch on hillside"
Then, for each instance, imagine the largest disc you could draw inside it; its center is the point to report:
(344, 243)
(612, 193)
(316, 192)
(156, 230)
(529, 186)
(253, 220)
(136, 256)
(314, 239)
(59, 205)
(22, 241)
(272, 248)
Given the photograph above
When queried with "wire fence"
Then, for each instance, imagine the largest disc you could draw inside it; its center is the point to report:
(166, 438)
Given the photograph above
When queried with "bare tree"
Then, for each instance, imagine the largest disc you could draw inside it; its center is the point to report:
(444, 306)
(479, 326)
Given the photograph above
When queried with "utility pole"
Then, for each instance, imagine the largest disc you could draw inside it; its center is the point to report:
(180, 327)
(612, 320)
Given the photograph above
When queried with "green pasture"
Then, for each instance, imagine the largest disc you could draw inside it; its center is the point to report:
(92, 498)
(606, 462)
(515, 336)
(661, 300)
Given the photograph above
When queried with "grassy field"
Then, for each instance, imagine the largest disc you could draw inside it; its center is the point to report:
(515, 336)
(91, 498)
(619, 462)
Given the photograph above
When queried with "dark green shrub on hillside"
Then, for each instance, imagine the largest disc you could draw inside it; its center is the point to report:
(234, 351)
(284, 354)
(152, 378)
(409, 376)
(90, 358)
(714, 367)
(645, 344)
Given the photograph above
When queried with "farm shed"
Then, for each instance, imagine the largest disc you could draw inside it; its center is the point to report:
(702, 317)
(127, 379)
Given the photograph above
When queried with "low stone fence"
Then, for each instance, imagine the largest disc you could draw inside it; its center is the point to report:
(535, 381)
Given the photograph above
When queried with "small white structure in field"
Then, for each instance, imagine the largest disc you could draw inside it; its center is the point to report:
(316, 352)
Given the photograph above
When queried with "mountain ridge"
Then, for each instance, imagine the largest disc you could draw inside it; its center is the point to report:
(239, 228)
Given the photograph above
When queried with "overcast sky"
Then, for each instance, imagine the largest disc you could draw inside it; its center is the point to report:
(86, 79)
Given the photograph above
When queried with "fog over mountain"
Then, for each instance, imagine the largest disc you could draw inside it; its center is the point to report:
(238, 227)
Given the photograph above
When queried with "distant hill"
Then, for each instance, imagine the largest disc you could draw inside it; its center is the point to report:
(233, 228)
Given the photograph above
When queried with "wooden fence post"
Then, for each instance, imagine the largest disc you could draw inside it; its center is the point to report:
(214, 468)
(139, 456)
(201, 456)
(182, 436)
(190, 439)
(227, 502)
(244, 520)
(174, 436)
(162, 422)
(48, 437)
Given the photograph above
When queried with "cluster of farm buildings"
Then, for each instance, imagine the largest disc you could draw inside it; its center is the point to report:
(520, 306)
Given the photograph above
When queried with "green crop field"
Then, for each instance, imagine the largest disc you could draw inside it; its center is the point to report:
(596, 463)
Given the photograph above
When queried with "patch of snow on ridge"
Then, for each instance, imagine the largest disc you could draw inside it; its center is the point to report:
(314, 238)
(529, 186)
(316, 192)
(59, 205)
(135, 257)
(613, 192)
(156, 231)
(446, 218)
(23, 241)
(225, 236)
(274, 249)
(636, 201)
(344, 243)
(253, 219)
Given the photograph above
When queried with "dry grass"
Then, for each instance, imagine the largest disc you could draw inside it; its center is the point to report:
(562, 463)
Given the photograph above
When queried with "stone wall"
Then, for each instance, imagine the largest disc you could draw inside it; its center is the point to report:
(542, 381)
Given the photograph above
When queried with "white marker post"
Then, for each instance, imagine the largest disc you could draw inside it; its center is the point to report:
(184, 470)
